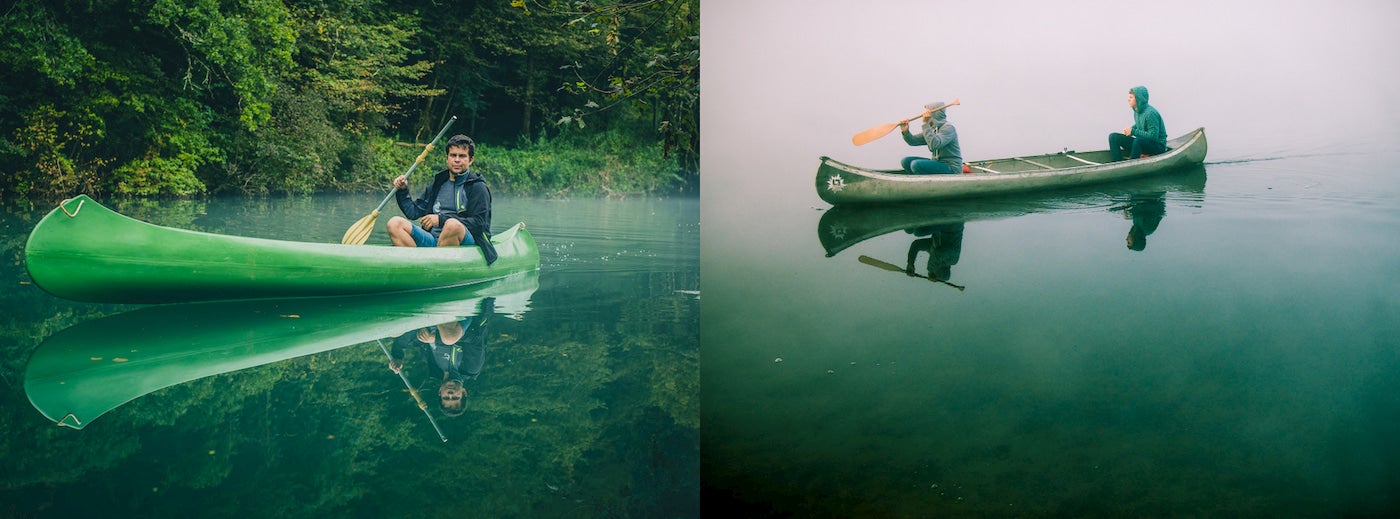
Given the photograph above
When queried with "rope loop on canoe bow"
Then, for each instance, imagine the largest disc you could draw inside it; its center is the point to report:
(62, 205)
(76, 422)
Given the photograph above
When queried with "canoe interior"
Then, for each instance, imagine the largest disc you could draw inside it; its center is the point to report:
(1033, 163)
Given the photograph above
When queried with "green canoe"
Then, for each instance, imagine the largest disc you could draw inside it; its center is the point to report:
(88, 369)
(86, 252)
(839, 183)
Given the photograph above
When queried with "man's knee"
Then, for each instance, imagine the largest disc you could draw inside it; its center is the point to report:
(453, 233)
(454, 225)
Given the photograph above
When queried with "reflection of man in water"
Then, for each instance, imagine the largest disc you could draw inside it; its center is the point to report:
(1146, 211)
(457, 349)
(944, 246)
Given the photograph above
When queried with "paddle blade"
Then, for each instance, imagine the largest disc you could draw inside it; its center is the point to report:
(358, 233)
(873, 133)
(877, 263)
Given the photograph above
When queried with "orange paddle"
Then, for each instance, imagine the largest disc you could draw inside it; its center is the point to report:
(884, 129)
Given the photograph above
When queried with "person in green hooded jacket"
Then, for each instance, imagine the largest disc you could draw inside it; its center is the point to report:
(1147, 136)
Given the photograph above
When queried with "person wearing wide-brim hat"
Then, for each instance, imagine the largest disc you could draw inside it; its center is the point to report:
(941, 139)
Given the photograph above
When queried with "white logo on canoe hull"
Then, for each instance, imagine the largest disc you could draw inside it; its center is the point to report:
(835, 183)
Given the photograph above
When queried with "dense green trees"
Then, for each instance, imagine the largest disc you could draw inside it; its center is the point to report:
(165, 97)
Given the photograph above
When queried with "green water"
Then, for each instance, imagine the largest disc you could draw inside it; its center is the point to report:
(586, 405)
(1242, 364)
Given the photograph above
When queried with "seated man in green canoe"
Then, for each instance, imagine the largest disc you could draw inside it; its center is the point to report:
(455, 209)
(941, 139)
(1147, 136)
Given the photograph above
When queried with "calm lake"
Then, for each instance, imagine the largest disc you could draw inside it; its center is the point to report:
(1222, 342)
(586, 405)
(1240, 363)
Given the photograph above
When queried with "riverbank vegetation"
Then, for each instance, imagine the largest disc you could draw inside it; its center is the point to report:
(165, 97)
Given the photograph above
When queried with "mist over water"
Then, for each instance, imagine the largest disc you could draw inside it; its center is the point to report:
(1235, 367)
(1034, 77)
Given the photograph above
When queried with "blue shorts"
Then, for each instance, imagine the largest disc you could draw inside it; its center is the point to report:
(424, 238)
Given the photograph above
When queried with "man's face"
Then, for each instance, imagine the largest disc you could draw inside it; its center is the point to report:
(452, 394)
(457, 159)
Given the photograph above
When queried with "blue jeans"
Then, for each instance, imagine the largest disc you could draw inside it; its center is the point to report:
(424, 238)
(1118, 144)
(923, 166)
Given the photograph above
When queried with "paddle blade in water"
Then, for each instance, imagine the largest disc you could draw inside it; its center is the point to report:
(358, 233)
(877, 263)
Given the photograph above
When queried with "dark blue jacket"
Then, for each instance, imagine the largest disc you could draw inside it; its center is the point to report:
(473, 207)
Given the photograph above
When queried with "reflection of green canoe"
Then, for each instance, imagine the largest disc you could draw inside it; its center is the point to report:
(86, 252)
(90, 368)
(838, 183)
(846, 225)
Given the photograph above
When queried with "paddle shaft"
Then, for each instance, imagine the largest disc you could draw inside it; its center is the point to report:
(414, 391)
(419, 160)
(895, 268)
(884, 129)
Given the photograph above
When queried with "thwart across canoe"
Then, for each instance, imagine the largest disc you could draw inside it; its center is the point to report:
(839, 183)
(86, 252)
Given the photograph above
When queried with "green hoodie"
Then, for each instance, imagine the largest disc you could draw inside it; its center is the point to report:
(1147, 123)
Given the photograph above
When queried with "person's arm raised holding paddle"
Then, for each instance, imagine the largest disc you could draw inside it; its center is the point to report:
(940, 138)
(868, 136)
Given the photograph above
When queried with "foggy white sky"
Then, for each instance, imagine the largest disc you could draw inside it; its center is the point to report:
(1262, 77)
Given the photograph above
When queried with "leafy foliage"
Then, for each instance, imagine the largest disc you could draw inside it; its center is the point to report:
(175, 98)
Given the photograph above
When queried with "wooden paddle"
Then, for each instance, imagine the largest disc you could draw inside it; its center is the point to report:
(414, 391)
(884, 129)
(359, 231)
(894, 268)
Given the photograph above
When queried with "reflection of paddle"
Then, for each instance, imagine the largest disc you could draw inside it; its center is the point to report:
(358, 232)
(414, 391)
(884, 129)
(894, 268)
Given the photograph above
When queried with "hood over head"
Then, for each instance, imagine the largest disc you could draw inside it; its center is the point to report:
(1140, 92)
(940, 116)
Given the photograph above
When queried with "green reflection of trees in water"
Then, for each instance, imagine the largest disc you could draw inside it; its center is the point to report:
(583, 419)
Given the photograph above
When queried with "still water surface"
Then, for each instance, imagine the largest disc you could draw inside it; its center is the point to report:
(1241, 364)
(586, 404)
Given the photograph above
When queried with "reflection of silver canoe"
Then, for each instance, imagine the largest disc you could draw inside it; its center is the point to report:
(840, 183)
(80, 373)
(846, 225)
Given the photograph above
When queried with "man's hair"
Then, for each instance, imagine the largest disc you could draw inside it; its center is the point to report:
(462, 141)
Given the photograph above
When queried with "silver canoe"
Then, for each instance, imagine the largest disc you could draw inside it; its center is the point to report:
(840, 183)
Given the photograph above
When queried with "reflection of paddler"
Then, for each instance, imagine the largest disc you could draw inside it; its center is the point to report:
(1147, 212)
(944, 246)
(456, 349)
